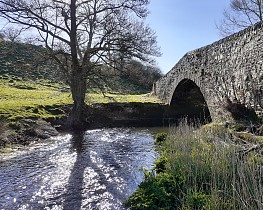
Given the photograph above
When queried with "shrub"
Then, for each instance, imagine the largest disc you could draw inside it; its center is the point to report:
(158, 191)
(160, 138)
(160, 164)
(196, 200)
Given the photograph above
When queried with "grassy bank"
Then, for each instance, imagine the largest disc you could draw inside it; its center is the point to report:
(21, 99)
(208, 168)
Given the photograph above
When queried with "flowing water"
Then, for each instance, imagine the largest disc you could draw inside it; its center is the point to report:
(96, 169)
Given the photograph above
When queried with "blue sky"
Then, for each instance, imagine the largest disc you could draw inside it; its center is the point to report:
(182, 26)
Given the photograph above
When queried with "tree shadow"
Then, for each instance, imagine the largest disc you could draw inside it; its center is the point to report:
(76, 192)
(73, 197)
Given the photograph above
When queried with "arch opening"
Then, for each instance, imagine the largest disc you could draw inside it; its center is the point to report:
(189, 102)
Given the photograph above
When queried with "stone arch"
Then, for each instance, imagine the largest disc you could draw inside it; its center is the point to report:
(188, 101)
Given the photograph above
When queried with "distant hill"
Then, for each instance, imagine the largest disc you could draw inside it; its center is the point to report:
(23, 61)
(19, 60)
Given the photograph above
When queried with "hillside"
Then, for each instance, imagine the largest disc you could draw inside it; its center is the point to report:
(19, 61)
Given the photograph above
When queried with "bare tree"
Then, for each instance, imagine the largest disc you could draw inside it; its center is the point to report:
(12, 34)
(241, 14)
(82, 35)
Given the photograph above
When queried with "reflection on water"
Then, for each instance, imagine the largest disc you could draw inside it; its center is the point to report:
(96, 169)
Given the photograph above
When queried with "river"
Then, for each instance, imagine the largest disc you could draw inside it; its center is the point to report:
(96, 169)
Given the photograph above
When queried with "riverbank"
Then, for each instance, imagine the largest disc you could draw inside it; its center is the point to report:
(23, 131)
(212, 167)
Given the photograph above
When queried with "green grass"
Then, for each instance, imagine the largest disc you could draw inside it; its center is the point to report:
(24, 99)
(21, 99)
(120, 98)
(204, 169)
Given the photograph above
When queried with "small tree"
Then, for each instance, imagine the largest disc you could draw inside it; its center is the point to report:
(241, 14)
(12, 34)
(82, 35)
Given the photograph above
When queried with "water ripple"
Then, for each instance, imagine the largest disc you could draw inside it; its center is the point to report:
(96, 169)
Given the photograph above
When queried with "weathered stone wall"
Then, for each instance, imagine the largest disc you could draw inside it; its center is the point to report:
(229, 68)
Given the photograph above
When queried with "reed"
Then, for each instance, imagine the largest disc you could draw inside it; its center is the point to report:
(213, 165)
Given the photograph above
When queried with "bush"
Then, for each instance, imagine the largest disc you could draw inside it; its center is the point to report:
(160, 138)
(196, 200)
(160, 191)
(160, 164)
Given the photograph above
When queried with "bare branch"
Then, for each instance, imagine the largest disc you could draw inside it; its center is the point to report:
(242, 13)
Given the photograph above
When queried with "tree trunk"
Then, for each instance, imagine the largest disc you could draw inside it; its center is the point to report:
(78, 83)
(78, 115)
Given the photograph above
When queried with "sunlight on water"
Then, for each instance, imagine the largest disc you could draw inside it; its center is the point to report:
(96, 169)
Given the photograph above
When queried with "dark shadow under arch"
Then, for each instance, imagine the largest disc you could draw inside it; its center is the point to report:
(189, 102)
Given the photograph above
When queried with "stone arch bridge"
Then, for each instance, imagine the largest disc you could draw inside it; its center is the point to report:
(221, 81)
